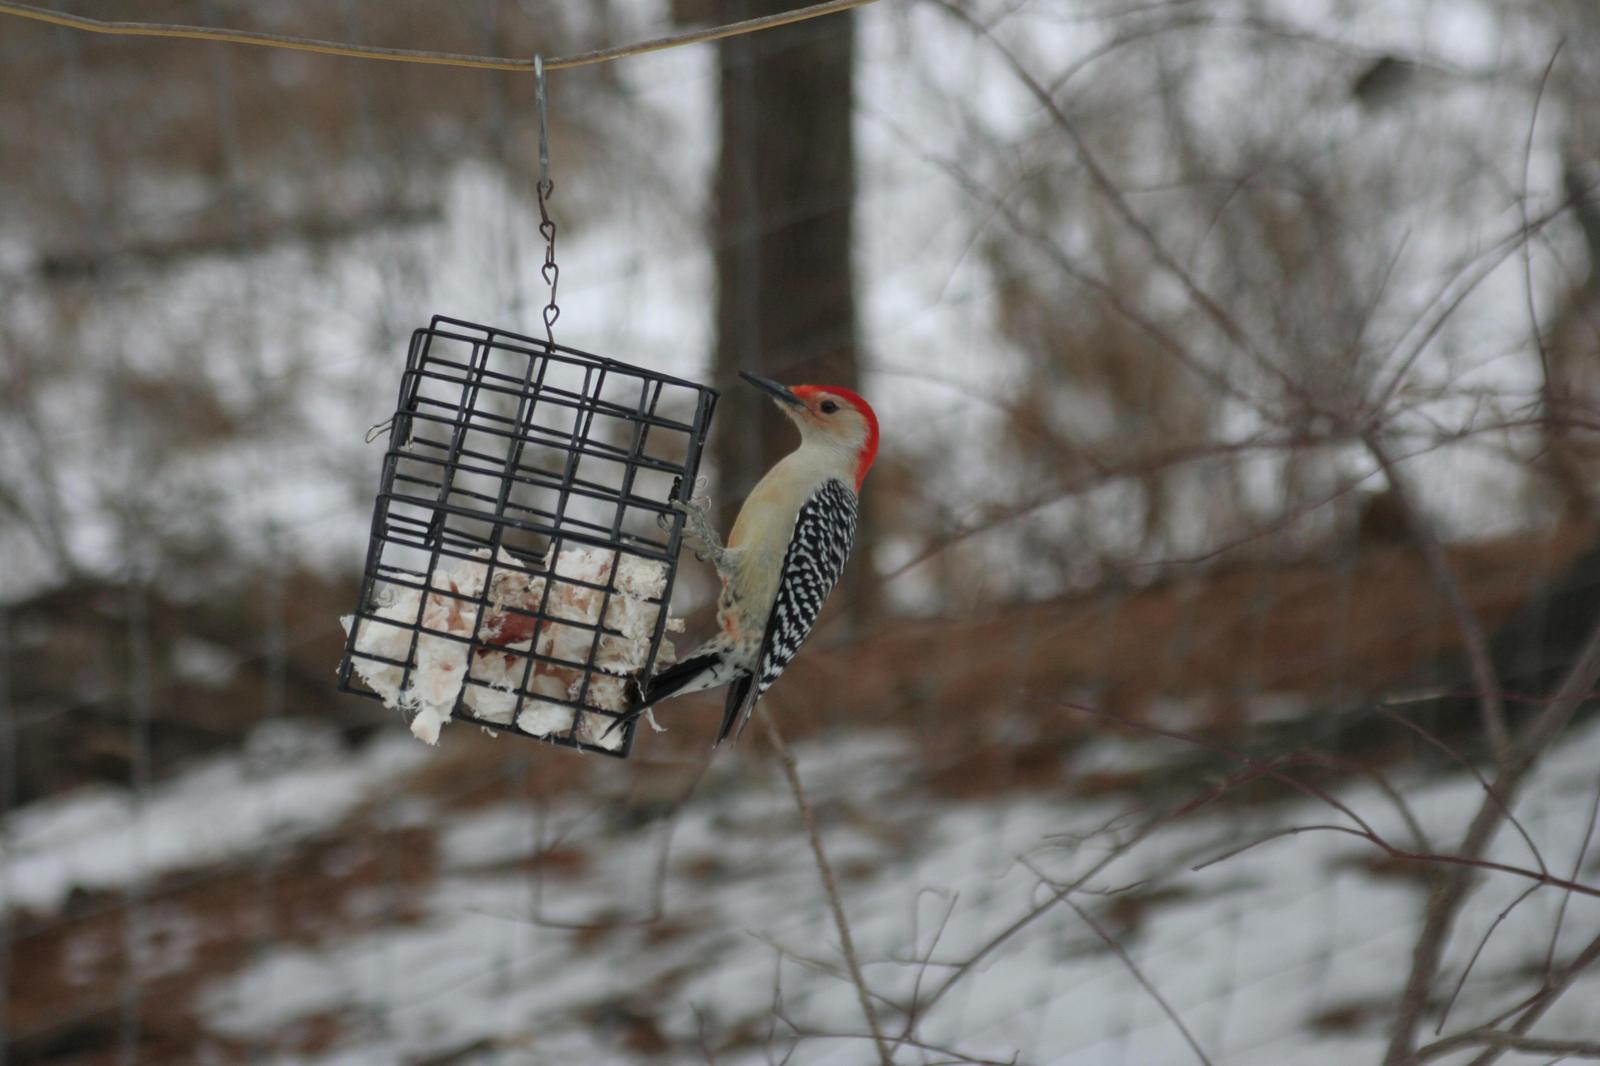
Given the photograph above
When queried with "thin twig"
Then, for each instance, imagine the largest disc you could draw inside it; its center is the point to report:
(1475, 270)
(1035, 912)
(1253, 766)
(1522, 209)
(1502, 1041)
(1483, 942)
(1577, 868)
(829, 885)
(1113, 193)
(1446, 901)
(413, 55)
(904, 1039)
(1491, 704)
(955, 1055)
(1460, 760)
(927, 959)
(1578, 683)
(821, 966)
(1132, 967)
(1587, 666)
(1538, 877)
(1108, 292)
(1556, 984)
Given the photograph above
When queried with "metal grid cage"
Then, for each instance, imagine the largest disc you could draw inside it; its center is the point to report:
(523, 546)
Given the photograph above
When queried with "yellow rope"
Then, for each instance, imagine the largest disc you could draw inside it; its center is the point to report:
(408, 55)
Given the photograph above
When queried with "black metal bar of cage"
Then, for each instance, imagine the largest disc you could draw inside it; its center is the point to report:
(508, 458)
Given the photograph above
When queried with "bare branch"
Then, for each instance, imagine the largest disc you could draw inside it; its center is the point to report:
(1113, 194)
(1144, 982)
(1483, 782)
(1522, 208)
(1491, 705)
(1502, 1041)
(1466, 971)
(830, 886)
(1446, 901)
(1577, 868)
(1534, 1007)
(1476, 271)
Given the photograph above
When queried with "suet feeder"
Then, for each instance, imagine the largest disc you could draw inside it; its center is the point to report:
(523, 543)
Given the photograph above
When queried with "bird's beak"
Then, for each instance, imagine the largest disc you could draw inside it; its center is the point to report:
(772, 388)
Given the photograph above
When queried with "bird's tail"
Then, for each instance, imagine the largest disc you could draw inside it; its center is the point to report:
(681, 677)
(739, 701)
(707, 668)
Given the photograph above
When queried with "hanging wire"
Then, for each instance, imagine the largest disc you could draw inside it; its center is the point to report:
(411, 55)
(544, 137)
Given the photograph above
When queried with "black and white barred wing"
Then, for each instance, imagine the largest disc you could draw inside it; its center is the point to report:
(823, 534)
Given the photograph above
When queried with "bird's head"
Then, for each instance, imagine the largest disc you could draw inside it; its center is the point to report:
(828, 416)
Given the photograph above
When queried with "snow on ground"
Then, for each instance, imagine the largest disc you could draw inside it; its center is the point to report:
(1248, 951)
(293, 779)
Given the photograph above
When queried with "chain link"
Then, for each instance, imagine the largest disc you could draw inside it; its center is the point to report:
(550, 271)
(547, 226)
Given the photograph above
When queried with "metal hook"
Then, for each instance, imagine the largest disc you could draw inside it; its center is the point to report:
(380, 429)
(544, 138)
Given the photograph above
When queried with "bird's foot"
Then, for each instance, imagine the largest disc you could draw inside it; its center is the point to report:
(698, 533)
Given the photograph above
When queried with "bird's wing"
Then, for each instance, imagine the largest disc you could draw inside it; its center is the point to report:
(824, 530)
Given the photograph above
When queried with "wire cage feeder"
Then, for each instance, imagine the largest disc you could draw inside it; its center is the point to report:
(523, 544)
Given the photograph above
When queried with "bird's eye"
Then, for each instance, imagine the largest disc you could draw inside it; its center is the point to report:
(828, 407)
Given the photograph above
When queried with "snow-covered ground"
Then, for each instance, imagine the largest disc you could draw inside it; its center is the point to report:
(1249, 953)
(219, 812)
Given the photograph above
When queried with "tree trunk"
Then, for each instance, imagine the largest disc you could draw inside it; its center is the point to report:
(783, 239)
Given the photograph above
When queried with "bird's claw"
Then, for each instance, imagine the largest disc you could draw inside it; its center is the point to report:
(697, 532)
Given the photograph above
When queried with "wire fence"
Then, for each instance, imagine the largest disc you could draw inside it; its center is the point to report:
(1230, 704)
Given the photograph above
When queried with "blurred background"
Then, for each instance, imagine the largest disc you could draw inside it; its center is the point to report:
(1238, 363)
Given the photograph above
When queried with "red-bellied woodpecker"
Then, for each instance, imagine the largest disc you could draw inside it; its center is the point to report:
(787, 548)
